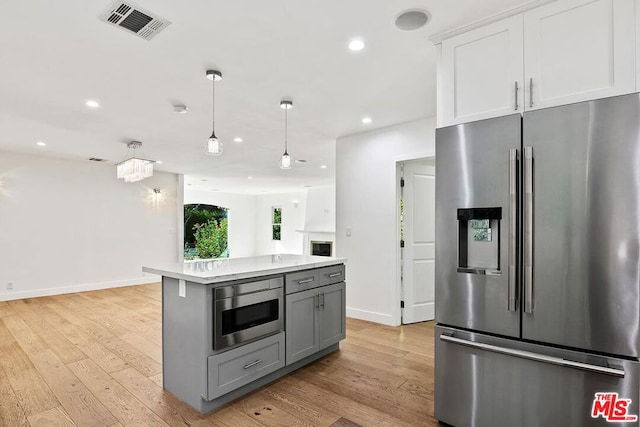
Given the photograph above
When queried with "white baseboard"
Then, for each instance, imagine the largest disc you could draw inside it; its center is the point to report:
(151, 278)
(385, 319)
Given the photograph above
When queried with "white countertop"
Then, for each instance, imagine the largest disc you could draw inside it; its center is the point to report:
(224, 269)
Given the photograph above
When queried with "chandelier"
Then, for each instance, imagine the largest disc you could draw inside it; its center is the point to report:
(134, 169)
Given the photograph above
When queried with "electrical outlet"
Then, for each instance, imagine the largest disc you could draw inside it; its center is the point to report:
(9, 286)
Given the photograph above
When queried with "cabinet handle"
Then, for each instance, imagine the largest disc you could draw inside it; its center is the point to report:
(516, 95)
(531, 92)
(331, 276)
(303, 281)
(249, 365)
(322, 303)
(316, 301)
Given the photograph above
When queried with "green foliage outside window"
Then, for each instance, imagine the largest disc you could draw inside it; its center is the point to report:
(277, 224)
(211, 239)
(205, 231)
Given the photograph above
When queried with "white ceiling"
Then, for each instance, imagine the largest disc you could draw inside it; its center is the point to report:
(57, 54)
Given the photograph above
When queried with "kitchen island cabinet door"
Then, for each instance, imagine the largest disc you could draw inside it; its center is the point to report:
(578, 50)
(332, 314)
(302, 325)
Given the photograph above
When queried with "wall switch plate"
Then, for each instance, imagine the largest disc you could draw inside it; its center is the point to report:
(348, 231)
(9, 286)
(182, 289)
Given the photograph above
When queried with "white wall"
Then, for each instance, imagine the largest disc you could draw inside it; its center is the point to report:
(67, 226)
(293, 218)
(241, 224)
(320, 212)
(366, 203)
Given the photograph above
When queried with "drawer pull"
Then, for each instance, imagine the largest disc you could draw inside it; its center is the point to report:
(249, 365)
(332, 275)
(303, 281)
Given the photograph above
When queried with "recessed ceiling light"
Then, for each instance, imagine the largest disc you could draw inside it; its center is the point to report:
(41, 144)
(249, 177)
(356, 45)
(323, 166)
(203, 180)
(92, 103)
(180, 109)
(237, 139)
(301, 161)
(189, 185)
(410, 20)
(215, 189)
(366, 120)
(306, 186)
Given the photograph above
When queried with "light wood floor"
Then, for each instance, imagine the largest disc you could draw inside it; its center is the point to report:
(94, 359)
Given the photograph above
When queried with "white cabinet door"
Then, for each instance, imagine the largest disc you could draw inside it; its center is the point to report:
(479, 72)
(577, 50)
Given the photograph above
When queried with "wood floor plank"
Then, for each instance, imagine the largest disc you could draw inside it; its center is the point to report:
(11, 413)
(123, 405)
(332, 401)
(268, 412)
(6, 338)
(31, 390)
(5, 309)
(56, 417)
(74, 395)
(308, 412)
(24, 335)
(166, 406)
(61, 346)
(153, 350)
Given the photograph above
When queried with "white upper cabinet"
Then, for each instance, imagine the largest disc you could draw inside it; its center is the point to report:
(562, 52)
(578, 50)
(481, 72)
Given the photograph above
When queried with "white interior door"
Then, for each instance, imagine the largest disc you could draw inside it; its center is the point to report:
(418, 257)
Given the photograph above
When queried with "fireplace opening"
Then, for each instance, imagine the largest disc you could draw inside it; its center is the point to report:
(321, 248)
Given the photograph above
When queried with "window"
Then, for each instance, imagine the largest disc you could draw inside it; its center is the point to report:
(205, 231)
(276, 221)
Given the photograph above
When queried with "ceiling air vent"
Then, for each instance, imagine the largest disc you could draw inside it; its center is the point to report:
(95, 159)
(134, 19)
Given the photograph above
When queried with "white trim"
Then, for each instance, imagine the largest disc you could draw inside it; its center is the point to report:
(439, 37)
(385, 319)
(149, 278)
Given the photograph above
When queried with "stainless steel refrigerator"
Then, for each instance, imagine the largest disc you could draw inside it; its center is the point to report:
(538, 268)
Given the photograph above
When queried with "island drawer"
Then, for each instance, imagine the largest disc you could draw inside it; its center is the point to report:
(234, 368)
(301, 281)
(331, 275)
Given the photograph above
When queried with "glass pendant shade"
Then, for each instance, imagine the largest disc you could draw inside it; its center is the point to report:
(285, 161)
(214, 146)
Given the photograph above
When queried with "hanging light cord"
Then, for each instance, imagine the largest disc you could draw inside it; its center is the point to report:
(286, 127)
(213, 106)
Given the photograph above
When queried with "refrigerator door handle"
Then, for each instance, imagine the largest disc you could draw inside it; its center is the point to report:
(528, 230)
(512, 295)
(535, 356)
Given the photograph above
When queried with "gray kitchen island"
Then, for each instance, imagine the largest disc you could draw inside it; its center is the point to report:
(232, 325)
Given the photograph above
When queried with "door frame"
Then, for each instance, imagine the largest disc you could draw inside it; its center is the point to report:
(397, 311)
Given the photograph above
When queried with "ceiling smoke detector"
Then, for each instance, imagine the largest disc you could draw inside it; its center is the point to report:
(134, 19)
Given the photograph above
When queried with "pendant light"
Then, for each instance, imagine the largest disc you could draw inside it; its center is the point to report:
(285, 161)
(214, 146)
